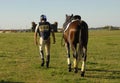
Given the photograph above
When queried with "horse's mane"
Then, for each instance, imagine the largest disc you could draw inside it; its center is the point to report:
(67, 21)
(70, 18)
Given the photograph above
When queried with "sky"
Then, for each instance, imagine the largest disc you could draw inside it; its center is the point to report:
(18, 14)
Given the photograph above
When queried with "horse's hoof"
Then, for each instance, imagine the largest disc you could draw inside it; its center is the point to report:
(82, 74)
(75, 70)
(69, 70)
(42, 64)
(69, 67)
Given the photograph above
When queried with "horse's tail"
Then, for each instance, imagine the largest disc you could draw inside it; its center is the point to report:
(80, 45)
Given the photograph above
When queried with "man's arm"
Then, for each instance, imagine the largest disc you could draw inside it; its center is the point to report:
(35, 38)
(35, 35)
(53, 35)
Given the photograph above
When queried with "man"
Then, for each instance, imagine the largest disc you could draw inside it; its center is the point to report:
(44, 29)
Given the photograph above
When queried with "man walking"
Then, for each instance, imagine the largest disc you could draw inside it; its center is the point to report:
(44, 30)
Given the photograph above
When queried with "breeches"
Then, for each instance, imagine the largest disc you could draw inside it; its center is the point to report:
(44, 46)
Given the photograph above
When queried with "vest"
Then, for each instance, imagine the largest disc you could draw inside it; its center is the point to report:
(44, 30)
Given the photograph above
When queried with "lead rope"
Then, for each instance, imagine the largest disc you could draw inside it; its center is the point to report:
(62, 40)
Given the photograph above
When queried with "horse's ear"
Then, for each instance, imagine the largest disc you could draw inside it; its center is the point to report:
(72, 15)
(66, 15)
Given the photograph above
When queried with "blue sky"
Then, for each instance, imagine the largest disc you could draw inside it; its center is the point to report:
(20, 13)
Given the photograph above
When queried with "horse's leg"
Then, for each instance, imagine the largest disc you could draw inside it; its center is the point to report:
(75, 56)
(83, 61)
(80, 52)
(68, 56)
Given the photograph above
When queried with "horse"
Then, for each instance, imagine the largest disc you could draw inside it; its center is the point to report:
(75, 36)
(33, 26)
(54, 26)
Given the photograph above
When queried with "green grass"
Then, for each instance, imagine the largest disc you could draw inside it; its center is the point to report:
(20, 60)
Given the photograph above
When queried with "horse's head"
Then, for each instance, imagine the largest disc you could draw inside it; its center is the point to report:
(33, 26)
(77, 17)
(33, 23)
(67, 20)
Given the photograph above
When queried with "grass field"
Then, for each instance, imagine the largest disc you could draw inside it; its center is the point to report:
(20, 60)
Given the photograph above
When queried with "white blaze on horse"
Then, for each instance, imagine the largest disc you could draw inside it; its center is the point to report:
(75, 35)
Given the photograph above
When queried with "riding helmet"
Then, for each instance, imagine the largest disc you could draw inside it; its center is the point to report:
(43, 17)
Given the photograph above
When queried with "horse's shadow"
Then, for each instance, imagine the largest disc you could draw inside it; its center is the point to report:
(115, 74)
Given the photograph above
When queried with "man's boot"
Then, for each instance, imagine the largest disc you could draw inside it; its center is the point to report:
(42, 57)
(47, 61)
(42, 64)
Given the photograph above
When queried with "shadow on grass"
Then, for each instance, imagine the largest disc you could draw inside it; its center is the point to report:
(112, 44)
(2, 81)
(114, 74)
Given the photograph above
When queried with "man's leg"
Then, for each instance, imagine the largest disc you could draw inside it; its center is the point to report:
(41, 51)
(47, 49)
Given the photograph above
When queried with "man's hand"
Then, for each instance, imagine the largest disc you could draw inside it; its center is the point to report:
(35, 38)
(36, 43)
(54, 41)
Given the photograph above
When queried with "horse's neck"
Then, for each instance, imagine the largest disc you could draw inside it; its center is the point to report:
(68, 24)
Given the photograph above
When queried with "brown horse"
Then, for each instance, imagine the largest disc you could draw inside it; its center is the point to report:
(76, 36)
(33, 26)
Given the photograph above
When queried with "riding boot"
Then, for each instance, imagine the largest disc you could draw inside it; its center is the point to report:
(47, 61)
(42, 64)
(42, 58)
